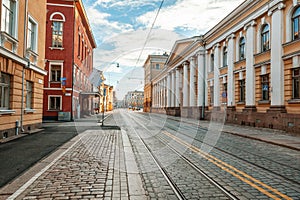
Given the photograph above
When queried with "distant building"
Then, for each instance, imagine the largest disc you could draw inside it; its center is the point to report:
(134, 99)
(106, 97)
(69, 61)
(22, 61)
(152, 67)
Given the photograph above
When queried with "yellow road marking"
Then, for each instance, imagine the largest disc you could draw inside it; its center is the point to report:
(230, 169)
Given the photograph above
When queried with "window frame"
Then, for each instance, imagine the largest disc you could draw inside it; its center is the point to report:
(296, 84)
(57, 78)
(5, 90)
(265, 38)
(56, 97)
(296, 17)
(225, 56)
(212, 62)
(242, 48)
(9, 26)
(242, 90)
(29, 93)
(211, 90)
(34, 37)
(265, 80)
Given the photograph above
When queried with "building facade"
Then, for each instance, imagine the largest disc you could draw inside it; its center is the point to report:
(69, 61)
(134, 99)
(245, 70)
(22, 61)
(152, 67)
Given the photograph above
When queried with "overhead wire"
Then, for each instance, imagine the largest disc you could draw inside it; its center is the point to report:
(148, 36)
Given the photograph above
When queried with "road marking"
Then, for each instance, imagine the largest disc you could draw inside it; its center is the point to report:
(232, 170)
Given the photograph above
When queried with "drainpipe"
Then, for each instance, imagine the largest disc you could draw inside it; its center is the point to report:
(28, 64)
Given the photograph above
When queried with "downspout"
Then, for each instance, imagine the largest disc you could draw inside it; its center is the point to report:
(28, 64)
(73, 74)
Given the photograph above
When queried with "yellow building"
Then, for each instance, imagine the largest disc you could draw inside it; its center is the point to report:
(106, 97)
(152, 67)
(22, 52)
(245, 70)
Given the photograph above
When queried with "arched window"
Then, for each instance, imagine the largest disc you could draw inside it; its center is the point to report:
(57, 29)
(212, 62)
(296, 24)
(242, 48)
(225, 57)
(265, 38)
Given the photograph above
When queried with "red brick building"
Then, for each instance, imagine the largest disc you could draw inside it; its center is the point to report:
(69, 61)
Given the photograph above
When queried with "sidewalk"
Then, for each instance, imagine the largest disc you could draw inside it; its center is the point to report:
(272, 136)
(95, 164)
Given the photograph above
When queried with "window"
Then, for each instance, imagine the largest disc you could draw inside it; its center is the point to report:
(54, 103)
(8, 16)
(32, 35)
(242, 48)
(224, 93)
(212, 62)
(296, 83)
(296, 23)
(265, 38)
(29, 94)
(242, 90)
(157, 66)
(225, 57)
(4, 91)
(265, 87)
(57, 34)
(211, 95)
(55, 73)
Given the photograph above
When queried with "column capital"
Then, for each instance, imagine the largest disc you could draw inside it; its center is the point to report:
(185, 63)
(275, 6)
(250, 24)
(192, 59)
(201, 52)
(231, 36)
(217, 45)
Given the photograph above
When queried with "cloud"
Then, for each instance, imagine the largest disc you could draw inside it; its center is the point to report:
(128, 47)
(198, 15)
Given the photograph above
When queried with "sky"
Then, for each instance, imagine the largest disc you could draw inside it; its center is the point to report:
(127, 31)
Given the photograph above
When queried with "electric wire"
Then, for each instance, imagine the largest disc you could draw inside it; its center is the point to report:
(148, 35)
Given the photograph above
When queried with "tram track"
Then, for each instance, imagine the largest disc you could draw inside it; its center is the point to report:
(168, 177)
(171, 126)
(264, 188)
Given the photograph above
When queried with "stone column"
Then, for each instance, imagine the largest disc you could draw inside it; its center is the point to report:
(192, 82)
(277, 67)
(217, 76)
(177, 87)
(201, 77)
(250, 70)
(165, 92)
(169, 90)
(230, 80)
(185, 85)
(173, 97)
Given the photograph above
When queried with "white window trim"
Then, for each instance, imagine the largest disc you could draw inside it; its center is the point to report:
(60, 106)
(35, 48)
(14, 37)
(289, 26)
(259, 39)
(50, 68)
(57, 13)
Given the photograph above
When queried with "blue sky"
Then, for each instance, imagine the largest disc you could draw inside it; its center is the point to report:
(121, 28)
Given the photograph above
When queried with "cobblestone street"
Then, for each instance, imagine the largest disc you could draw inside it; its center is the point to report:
(153, 157)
